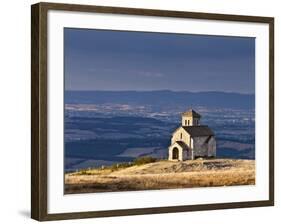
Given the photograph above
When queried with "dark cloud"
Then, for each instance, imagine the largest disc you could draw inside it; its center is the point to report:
(118, 60)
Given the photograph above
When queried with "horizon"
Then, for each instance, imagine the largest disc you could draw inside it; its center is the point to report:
(160, 90)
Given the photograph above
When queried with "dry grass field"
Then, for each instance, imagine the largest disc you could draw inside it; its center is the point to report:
(163, 175)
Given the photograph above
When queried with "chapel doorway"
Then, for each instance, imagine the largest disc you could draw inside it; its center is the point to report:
(175, 153)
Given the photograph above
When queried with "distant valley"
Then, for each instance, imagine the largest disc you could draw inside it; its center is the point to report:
(104, 127)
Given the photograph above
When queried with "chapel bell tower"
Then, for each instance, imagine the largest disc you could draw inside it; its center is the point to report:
(190, 118)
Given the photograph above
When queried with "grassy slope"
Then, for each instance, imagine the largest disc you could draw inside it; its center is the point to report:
(163, 175)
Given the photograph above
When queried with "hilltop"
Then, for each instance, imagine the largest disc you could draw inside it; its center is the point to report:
(163, 175)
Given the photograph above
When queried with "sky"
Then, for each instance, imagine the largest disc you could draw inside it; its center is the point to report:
(121, 60)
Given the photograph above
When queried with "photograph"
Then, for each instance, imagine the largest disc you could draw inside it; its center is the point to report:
(152, 111)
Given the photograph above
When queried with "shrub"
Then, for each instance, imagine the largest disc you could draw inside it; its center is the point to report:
(144, 160)
(120, 165)
(83, 172)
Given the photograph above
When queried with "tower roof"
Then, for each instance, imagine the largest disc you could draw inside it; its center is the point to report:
(191, 113)
(196, 131)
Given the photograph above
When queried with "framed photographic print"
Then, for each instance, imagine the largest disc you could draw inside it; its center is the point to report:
(140, 111)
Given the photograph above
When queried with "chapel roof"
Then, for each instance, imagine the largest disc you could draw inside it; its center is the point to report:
(191, 113)
(182, 144)
(196, 131)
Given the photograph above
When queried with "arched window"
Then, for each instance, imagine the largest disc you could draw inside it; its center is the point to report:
(188, 122)
(185, 122)
(181, 135)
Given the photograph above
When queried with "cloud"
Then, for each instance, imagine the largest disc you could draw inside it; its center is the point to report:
(151, 74)
(128, 71)
(101, 70)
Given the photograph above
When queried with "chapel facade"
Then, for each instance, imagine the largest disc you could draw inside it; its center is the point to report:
(192, 140)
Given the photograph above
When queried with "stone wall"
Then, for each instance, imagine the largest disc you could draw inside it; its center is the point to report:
(199, 146)
(212, 147)
(177, 136)
(203, 149)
